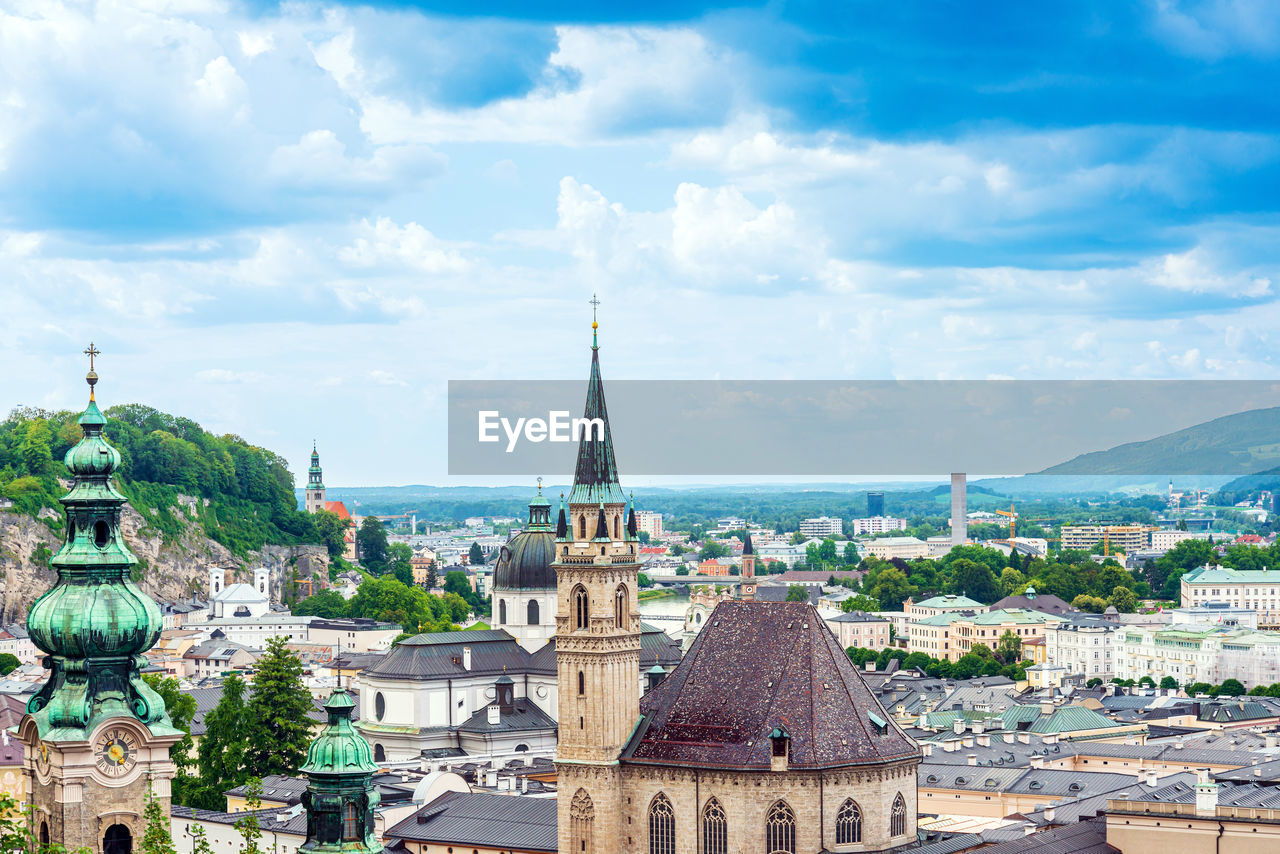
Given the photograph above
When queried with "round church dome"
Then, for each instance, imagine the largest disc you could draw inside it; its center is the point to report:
(524, 563)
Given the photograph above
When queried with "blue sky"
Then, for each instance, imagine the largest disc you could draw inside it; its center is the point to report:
(301, 220)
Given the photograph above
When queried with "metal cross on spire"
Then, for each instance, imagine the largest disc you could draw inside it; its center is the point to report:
(92, 377)
(595, 303)
(539, 485)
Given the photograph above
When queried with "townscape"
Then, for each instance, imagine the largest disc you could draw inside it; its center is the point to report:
(519, 694)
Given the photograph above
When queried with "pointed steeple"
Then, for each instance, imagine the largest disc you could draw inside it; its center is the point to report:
(747, 548)
(95, 623)
(602, 526)
(596, 476)
(562, 524)
(632, 525)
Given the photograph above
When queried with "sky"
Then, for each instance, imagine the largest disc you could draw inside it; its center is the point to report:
(299, 221)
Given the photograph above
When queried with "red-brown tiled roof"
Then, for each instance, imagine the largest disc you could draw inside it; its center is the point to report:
(756, 666)
(337, 507)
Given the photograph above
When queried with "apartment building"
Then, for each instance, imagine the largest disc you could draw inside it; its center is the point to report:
(953, 634)
(822, 526)
(1256, 590)
(877, 525)
(1125, 538)
(650, 522)
(907, 548)
(1083, 644)
(1194, 652)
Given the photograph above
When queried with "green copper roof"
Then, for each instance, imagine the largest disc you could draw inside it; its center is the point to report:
(596, 476)
(94, 624)
(339, 749)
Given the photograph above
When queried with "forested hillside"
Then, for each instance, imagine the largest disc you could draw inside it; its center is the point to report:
(246, 497)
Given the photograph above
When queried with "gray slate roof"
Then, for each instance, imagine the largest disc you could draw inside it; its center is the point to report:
(525, 716)
(1085, 837)
(512, 822)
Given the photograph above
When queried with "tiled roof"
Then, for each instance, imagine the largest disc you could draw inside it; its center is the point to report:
(440, 656)
(1046, 603)
(949, 601)
(1067, 719)
(525, 716)
(1084, 837)
(719, 706)
(510, 822)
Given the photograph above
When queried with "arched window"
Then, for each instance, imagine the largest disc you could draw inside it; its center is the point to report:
(715, 829)
(582, 684)
(579, 599)
(582, 820)
(44, 833)
(117, 840)
(350, 822)
(502, 612)
(848, 823)
(662, 826)
(615, 529)
(621, 604)
(898, 818)
(379, 706)
(379, 754)
(780, 830)
(533, 612)
(582, 527)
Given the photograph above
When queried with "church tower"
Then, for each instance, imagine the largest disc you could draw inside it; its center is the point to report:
(315, 483)
(747, 586)
(340, 798)
(597, 637)
(97, 737)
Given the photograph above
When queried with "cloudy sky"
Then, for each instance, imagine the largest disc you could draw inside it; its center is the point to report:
(301, 220)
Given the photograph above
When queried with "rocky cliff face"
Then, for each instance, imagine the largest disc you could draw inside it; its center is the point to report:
(169, 570)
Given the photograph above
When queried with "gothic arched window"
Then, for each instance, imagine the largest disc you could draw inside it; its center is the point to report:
(780, 829)
(533, 612)
(848, 823)
(582, 684)
(350, 822)
(582, 527)
(582, 820)
(616, 536)
(502, 612)
(620, 606)
(898, 818)
(662, 826)
(579, 599)
(715, 829)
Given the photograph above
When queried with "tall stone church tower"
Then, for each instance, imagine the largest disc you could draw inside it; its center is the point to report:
(315, 483)
(597, 637)
(96, 736)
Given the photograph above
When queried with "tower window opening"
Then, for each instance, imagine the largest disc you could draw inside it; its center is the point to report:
(101, 535)
(582, 527)
(350, 822)
(582, 684)
(580, 607)
(898, 818)
(502, 612)
(620, 606)
(849, 824)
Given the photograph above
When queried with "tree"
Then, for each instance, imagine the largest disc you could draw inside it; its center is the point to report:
(371, 545)
(248, 825)
(1009, 648)
(1108, 579)
(327, 604)
(1147, 682)
(199, 841)
(891, 587)
(398, 557)
(1091, 604)
(1230, 688)
(157, 838)
(455, 581)
(712, 549)
(644, 581)
(797, 593)
(861, 602)
(277, 713)
(8, 663)
(181, 707)
(677, 550)
(1012, 582)
(1124, 600)
(851, 556)
(222, 749)
(332, 530)
(1168, 683)
(975, 580)
(475, 555)
(1198, 688)
(1093, 683)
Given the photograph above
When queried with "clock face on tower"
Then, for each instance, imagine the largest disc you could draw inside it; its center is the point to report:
(116, 752)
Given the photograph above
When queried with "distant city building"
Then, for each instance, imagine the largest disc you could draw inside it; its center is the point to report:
(1165, 540)
(857, 629)
(877, 525)
(1125, 538)
(952, 635)
(875, 503)
(907, 548)
(315, 484)
(1083, 644)
(822, 526)
(935, 605)
(731, 523)
(239, 599)
(1256, 590)
(1196, 652)
(650, 522)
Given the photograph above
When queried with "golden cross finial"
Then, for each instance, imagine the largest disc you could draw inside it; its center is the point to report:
(92, 377)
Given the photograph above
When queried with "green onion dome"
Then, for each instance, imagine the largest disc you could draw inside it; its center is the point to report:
(339, 749)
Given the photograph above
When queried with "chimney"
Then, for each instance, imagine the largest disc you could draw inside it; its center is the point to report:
(1152, 778)
(1049, 813)
(984, 740)
(1046, 708)
(1257, 772)
(1206, 793)
(1037, 761)
(524, 784)
(957, 726)
(967, 741)
(1177, 745)
(466, 658)
(973, 758)
(495, 715)
(926, 747)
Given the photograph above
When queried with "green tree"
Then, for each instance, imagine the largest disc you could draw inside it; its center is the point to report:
(1168, 683)
(891, 588)
(371, 541)
(1124, 600)
(398, 557)
(199, 840)
(277, 713)
(1198, 688)
(455, 581)
(35, 450)
(248, 824)
(332, 530)
(1012, 582)
(327, 604)
(797, 593)
(8, 663)
(181, 707)
(475, 555)
(1147, 682)
(850, 555)
(861, 602)
(1090, 604)
(222, 749)
(157, 838)
(712, 549)
(1009, 647)
(644, 581)
(1230, 688)
(1108, 579)
(975, 580)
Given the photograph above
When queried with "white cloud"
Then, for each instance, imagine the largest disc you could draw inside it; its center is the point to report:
(410, 246)
(1194, 272)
